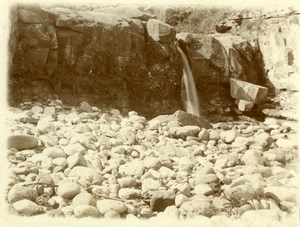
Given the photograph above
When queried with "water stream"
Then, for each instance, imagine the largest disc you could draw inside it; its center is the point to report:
(189, 94)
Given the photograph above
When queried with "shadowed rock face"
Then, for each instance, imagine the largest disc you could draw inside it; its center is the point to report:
(105, 53)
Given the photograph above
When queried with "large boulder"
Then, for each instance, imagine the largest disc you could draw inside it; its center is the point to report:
(248, 91)
(160, 31)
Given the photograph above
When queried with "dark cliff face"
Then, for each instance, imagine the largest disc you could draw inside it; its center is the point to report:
(106, 56)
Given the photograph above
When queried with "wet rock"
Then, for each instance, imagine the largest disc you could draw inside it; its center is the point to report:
(191, 209)
(27, 207)
(252, 157)
(247, 91)
(82, 211)
(22, 142)
(68, 190)
(84, 198)
(161, 200)
(86, 174)
(19, 192)
(106, 205)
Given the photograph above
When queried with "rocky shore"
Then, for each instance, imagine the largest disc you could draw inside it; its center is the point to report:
(85, 162)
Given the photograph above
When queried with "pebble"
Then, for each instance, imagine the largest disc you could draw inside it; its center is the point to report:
(134, 168)
(82, 211)
(146, 212)
(68, 190)
(106, 205)
(150, 184)
(129, 193)
(112, 214)
(180, 199)
(193, 208)
(45, 126)
(86, 174)
(203, 189)
(19, 192)
(205, 178)
(27, 207)
(127, 182)
(84, 198)
(253, 157)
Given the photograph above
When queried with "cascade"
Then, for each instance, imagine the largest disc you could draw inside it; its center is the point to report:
(189, 94)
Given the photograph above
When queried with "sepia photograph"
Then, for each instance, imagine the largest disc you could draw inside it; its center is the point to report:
(136, 113)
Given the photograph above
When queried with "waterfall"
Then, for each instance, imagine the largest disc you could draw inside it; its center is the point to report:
(189, 94)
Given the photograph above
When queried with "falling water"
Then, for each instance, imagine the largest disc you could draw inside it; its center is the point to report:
(189, 94)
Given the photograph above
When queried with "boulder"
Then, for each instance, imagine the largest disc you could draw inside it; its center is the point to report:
(185, 119)
(247, 91)
(245, 106)
(160, 31)
(22, 142)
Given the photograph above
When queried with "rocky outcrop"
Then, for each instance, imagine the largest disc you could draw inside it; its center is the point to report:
(106, 53)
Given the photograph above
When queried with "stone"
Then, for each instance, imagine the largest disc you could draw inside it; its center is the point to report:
(76, 159)
(68, 190)
(172, 212)
(263, 139)
(54, 152)
(62, 162)
(185, 119)
(252, 157)
(214, 135)
(180, 199)
(134, 168)
(275, 155)
(49, 110)
(85, 107)
(106, 205)
(127, 182)
(146, 212)
(160, 31)
(283, 193)
(82, 211)
(220, 204)
(27, 207)
(84, 198)
(286, 143)
(129, 193)
(201, 178)
(19, 192)
(160, 200)
(247, 91)
(152, 163)
(228, 136)
(74, 148)
(37, 109)
(165, 172)
(183, 132)
(150, 184)
(240, 192)
(203, 134)
(193, 208)
(22, 142)
(203, 189)
(45, 126)
(245, 106)
(56, 213)
(112, 214)
(86, 174)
